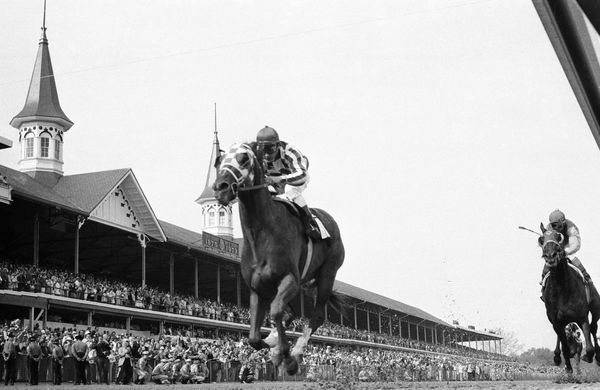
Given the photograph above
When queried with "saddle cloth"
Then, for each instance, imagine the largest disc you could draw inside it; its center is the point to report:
(587, 288)
(295, 210)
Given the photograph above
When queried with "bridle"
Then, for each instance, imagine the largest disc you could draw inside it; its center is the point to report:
(558, 244)
(238, 174)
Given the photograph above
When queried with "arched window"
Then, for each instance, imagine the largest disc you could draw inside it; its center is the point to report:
(28, 146)
(211, 217)
(57, 149)
(221, 217)
(44, 147)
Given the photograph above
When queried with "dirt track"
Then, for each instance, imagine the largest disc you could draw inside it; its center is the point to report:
(542, 385)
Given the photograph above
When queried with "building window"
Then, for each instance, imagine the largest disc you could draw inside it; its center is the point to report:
(211, 218)
(44, 146)
(57, 146)
(28, 147)
(221, 217)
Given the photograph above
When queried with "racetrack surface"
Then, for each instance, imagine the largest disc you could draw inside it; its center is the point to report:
(501, 385)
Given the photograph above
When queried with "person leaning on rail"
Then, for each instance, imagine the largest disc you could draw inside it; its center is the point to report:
(571, 243)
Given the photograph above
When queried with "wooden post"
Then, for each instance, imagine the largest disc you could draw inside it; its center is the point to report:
(36, 240)
(238, 280)
(218, 284)
(172, 273)
(196, 278)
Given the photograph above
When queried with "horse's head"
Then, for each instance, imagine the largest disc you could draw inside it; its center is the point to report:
(237, 168)
(573, 331)
(551, 243)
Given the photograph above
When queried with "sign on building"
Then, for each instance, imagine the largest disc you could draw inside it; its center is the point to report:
(220, 245)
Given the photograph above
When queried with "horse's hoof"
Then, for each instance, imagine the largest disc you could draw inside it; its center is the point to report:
(588, 357)
(276, 356)
(557, 360)
(291, 366)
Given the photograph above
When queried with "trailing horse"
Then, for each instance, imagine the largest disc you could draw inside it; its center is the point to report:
(277, 257)
(566, 300)
(575, 344)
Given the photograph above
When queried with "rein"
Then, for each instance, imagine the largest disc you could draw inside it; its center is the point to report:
(238, 175)
(252, 188)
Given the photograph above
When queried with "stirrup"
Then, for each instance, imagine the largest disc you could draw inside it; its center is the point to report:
(313, 232)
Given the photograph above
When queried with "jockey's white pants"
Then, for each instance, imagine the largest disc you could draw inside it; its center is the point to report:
(294, 193)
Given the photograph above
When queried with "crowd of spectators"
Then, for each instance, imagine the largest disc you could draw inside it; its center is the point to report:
(93, 288)
(164, 359)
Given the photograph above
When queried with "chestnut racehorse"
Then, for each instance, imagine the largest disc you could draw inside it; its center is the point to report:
(566, 300)
(276, 256)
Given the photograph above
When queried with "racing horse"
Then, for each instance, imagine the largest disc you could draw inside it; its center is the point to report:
(575, 345)
(566, 299)
(276, 256)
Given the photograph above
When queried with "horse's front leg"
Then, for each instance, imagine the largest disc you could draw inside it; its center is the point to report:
(557, 359)
(258, 308)
(589, 347)
(287, 290)
(564, 345)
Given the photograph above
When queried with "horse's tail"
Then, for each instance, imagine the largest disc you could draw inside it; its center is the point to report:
(339, 301)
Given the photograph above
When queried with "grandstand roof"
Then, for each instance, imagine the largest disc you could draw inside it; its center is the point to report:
(27, 187)
(181, 236)
(88, 189)
(357, 292)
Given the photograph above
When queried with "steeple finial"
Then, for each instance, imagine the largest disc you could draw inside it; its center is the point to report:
(216, 140)
(44, 39)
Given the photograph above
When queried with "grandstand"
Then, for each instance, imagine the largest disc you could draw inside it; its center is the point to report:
(86, 251)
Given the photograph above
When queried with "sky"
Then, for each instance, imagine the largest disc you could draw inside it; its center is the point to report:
(433, 128)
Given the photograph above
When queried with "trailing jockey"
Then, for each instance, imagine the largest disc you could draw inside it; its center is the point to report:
(286, 170)
(570, 244)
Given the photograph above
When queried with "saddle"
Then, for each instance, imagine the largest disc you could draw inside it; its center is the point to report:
(295, 210)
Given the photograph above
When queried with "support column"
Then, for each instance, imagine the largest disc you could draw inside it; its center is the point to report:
(128, 324)
(78, 225)
(379, 315)
(239, 288)
(341, 316)
(325, 311)
(161, 326)
(143, 242)
(390, 324)
(408, 327)
(368, 321)
(90, 318)
(31, 317)
(172, 273)
(301, 303)
(218, 284)
(36, 240)
(355, 318)
(196, 278)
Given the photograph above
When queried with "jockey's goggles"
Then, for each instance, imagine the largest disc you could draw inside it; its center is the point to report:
(556, 225)
(268, 148)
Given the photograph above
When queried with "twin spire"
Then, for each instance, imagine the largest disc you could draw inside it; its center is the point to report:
(42, 102)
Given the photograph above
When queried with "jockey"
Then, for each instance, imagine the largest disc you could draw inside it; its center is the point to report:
(571, 242)
(286, 169)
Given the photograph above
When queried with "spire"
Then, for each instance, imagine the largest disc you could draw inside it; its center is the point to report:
(42, 98)
(208, 193)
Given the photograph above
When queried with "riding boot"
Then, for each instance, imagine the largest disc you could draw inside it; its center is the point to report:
(312, 229)
(544, 273)
(577, 263)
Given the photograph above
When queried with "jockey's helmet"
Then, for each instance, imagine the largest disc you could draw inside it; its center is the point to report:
(268, 141)
(557, 219)
(267, 135)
